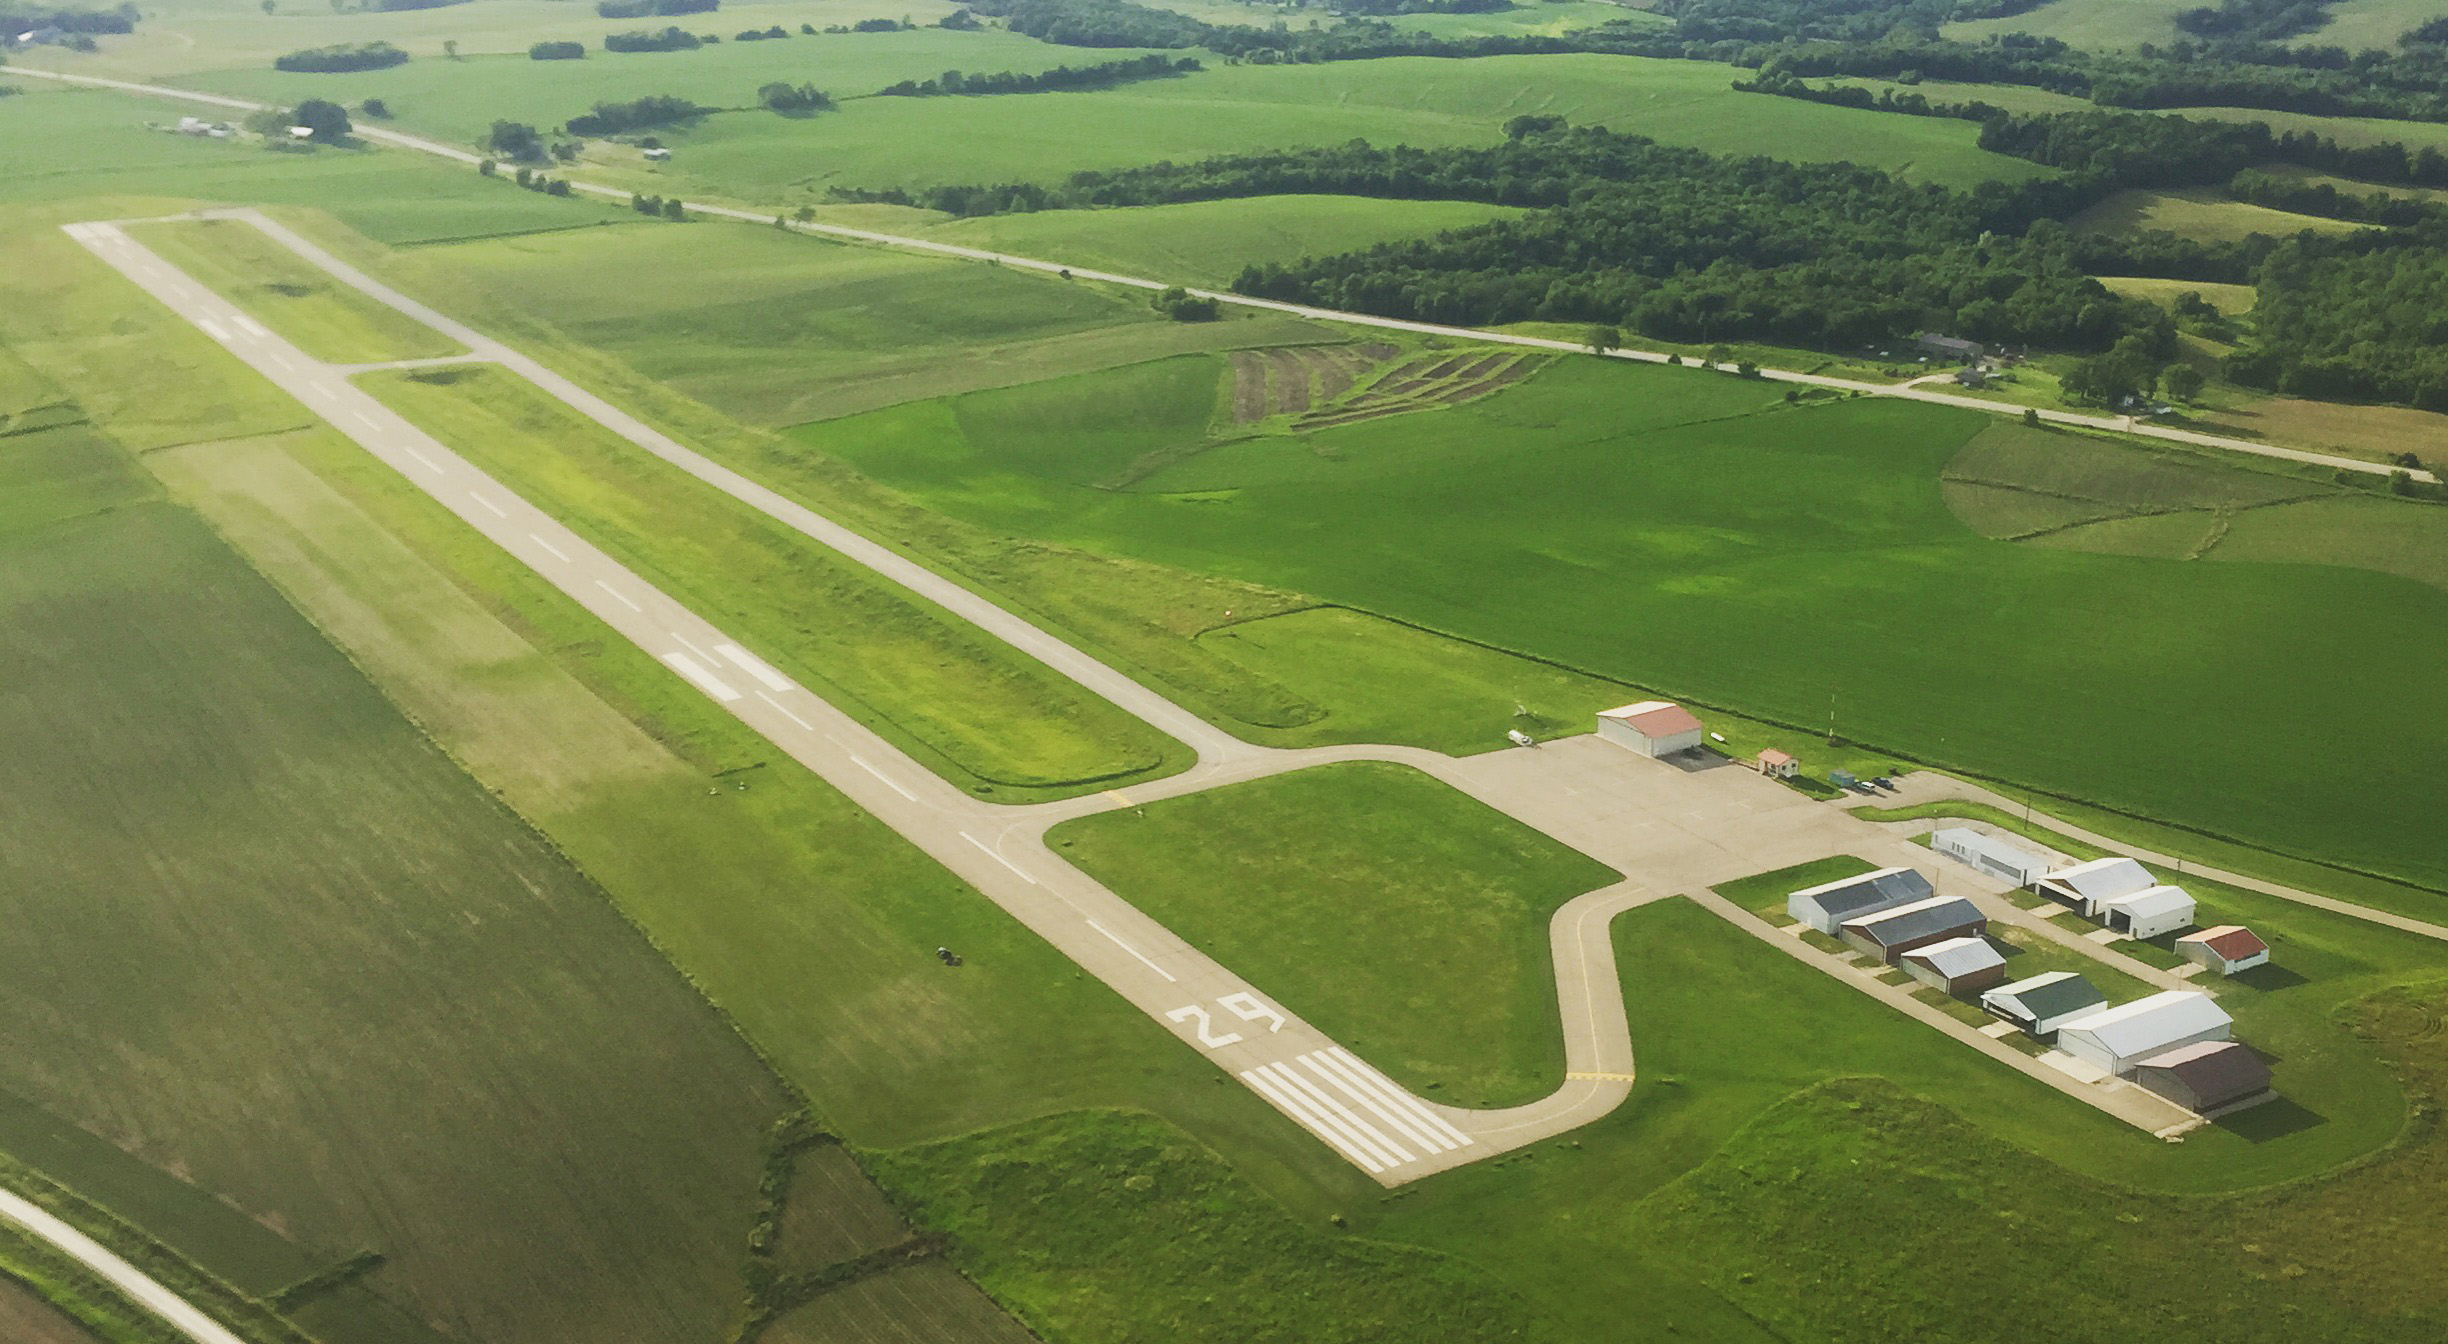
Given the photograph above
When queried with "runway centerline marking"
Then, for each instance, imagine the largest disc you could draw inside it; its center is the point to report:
(1142, 956)
(704, 680)
(784, 710)
(755, 667)
(498, 510)
(861, 763)
(213, 329)
(557, 553)
(625, 599)
(983, 847)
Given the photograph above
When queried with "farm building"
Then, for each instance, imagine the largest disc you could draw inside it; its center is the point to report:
(1827, 906)
(2085, 886)
(1956, 965)
(1652, 727)
(1952, 347)
(1777, 765)
(2044, 1003)
(2120, 1038)
(2149, 912)
(2227, 949)
(1889, 934)
(2206, 1075)
(1997, 858)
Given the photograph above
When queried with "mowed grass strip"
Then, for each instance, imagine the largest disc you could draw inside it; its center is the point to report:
(255, 929)
(322, 317)
(965, 704)
(1401, 917)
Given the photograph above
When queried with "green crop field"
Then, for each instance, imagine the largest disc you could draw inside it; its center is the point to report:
(264, 932)
(1332, 888)
(2200, 213)
(974, 710)
(321, 316)
(916, 1304)
(1614, 547)
(1208, 242)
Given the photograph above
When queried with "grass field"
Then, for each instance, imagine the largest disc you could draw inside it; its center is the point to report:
(2231, 300)
(1614, 547)
(1208, 242)
(922, 1303)
(327, 320)
(269, 933)
(2204, 214)
(2097, 24)
(2356, 431)
(1332, 887)
(974, 710)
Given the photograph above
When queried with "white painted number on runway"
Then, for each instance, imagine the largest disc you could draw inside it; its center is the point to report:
(1206, 1034)
(1250, 1008)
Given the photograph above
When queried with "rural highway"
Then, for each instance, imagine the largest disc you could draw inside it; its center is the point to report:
(138, 1285)
(2116, 423)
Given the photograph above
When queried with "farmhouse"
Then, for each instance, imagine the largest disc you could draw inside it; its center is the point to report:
(1827, 906)
(1956, 965)
(2205, 1076)
(2227, 949)
(2120, 1038)
(2149, 912)
(2003, 861)
(1889, 934)
(1952, 347)
(1652, 727)
(1777, 765)
(2086, 885)
(2044, 1003)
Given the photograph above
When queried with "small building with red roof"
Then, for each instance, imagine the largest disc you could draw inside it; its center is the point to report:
(2227, 949)
(1652, 727)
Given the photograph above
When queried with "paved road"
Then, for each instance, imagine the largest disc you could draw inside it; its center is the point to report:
(2117, 423)
(138, 1285)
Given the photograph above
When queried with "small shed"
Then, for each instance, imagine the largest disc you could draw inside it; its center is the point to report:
(657, 154)
(2044, 1002)
(2120, 1038)
(1827, 906)
(2227, 949)
(2086, 886)
(1889, 934)
(1652, 727)
(301, 132)
(1956, 965)
(1999, 859)
(1778, 765)
(2149, 912)
(2206, 1076)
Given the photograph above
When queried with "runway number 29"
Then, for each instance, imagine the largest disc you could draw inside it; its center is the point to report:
(1247, 1007)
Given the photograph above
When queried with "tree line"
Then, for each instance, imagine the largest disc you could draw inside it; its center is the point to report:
(655, 109)
(641, 9)
(342, 58)
(1060, 79)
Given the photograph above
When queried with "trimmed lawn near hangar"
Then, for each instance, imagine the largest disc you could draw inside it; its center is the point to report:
(1403, 918)
(1680, 530)
(259, 932)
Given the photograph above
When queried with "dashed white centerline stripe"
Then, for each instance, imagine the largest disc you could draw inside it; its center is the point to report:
(785, 712)
(497, 509)
(364, 419)
(690, 645)
(987, 849)
(704, 680)
(1142, 956)
(755, 667)
(1301, 1115)
(539, 540)
(422, 460)
(213, 329)
(253, 327)
(895, 785)
(624, 597)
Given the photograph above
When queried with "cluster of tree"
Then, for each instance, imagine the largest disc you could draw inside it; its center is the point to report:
(532, 180)
(2325, 199)
(795, 98)
(655, 109)
(557, 51)
(2358, 318)
(639, 39)
(399, 6)
(2257, 20)
(761, 34)
(1783, 84)
(342, 58)
(641, 9)
(1061, 78)
(658, 206)
(514, 140)
(878, 26)
(116, 21)
(328, 120)
(1183, 306)
(960, 21)
(2123, 149)
(1381, 8)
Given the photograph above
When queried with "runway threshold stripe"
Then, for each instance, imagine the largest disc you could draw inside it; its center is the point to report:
(1411, 1104)
(1303, 1120)
(702, 679)
(1326, 1067)
(784, 711)
(755, 667)
(1365, 1134)
(1142, 956)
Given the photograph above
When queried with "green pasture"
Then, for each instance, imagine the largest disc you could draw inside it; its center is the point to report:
(2096, 24)
(918, 142)
(2361, 25)
(2203, 214)
(1209, 242)
(1332, 888)
(969, 707)
(324, 318)
(262, 934)
(1615, 546)
(2231, 300)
